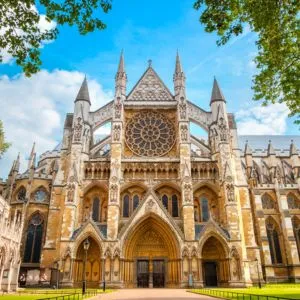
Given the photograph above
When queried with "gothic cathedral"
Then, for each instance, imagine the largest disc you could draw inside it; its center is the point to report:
(159, 207)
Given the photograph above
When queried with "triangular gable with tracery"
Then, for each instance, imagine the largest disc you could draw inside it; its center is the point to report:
(150, 88)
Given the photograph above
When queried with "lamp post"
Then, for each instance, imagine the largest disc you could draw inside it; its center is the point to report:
(86, 246)
(257, 267)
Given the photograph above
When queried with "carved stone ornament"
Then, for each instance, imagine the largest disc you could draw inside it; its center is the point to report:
(150, 134)
(116, 132)
(184, 133)
(113, 193)
(182, 108)
(150, 205)
(223, 130)
(187, 192)
(77, 130)
(230, 192)
(118, 108)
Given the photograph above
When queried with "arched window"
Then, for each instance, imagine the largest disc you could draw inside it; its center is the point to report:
(293, 202)
(296, 228)
(40, 195)
(126, 206)
(174, 206)
(274, 244)
(165, 201)
(96, 206)
(267, 202)
(21, 196)
(136, 201)
(204, 210)
(34, 239)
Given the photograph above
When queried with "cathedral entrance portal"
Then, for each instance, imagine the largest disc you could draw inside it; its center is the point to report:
(215, 263)
(151, 256)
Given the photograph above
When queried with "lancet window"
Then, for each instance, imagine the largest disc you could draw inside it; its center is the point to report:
(34, 238)
(131, 199)
(274, 242)
(296, 228)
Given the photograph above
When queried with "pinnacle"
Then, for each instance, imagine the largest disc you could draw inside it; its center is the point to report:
(178, 67)
(216, 94)
(248, 149)
(83, 94)
(121, 67)
(293, 148)
(271, 150)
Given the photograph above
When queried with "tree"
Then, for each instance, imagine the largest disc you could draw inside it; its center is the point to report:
(277, 25)
(3, 145)
(21, 36)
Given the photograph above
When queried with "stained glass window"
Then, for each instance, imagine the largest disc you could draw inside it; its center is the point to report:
(21, 194)
(165, 201)
(34, 240)
(204, 210)
(174, 206)
(96, 206)
(126, 206)
(40, 195)
(136, 201)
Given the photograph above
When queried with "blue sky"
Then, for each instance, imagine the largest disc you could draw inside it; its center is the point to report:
(34, 109)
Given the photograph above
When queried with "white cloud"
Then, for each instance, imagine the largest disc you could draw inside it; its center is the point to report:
(33, 109)
(270, 119)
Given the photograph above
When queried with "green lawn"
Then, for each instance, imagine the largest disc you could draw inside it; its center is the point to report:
(291, 291)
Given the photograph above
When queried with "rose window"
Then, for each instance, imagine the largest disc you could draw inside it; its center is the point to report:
(150, 134)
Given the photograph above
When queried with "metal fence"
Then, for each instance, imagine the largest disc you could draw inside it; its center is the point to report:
(74, 296)
(238, 296)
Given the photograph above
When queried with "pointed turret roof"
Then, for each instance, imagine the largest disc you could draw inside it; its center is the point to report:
(17, 164)
(293, 149)
(83, 94)
(271, 150)
(121, 67)
(178, 67)
(248, 149)
(216, 94)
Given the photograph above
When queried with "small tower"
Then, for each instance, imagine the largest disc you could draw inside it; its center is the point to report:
(121, 78)
(82, 101)
(217, 101)
(179, 79)
(248, 158)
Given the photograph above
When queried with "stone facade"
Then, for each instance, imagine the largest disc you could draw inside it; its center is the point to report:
(159, 206)
(11, 225)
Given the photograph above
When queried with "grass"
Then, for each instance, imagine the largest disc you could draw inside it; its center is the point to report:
(33, 294)
(291, 291)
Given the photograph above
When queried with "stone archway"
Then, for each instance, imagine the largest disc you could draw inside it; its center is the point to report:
(215, 263)
(151, 254)
(93, 264)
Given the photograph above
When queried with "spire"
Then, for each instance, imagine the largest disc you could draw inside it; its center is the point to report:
(17, 163)
(179, 78)
(178, 68)
(293, 149)
(216, 94)
(271, 150)
(31, 162)
(83, 94)
(121, 77)
(121, 67)
(248, 150)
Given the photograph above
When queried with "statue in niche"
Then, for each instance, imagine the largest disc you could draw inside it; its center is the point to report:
(113, 193)
(117, 132)
(118, 108)
(223, 130)
(77, 130)
(230, 192)
(184, 133)
(182, 108)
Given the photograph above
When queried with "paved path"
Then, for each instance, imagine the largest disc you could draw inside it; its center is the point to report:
(150, 294)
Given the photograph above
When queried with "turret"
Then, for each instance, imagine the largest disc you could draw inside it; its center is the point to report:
(179, 78)
(82, 102)
(32, 158)
(217, 102)
(248, 158)
(121, 78)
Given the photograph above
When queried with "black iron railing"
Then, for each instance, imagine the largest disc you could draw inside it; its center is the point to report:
(237, 295)
(74, 296)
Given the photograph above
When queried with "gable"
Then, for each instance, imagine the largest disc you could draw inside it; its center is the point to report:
(150, 88)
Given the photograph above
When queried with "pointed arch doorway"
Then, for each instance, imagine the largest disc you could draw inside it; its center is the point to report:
(215, 264)
(151, 256)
